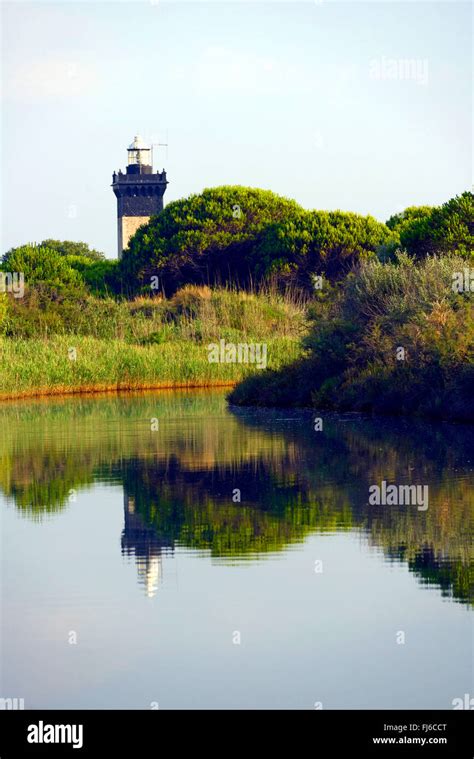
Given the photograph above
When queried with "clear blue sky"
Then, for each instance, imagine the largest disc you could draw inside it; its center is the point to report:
(279, 95)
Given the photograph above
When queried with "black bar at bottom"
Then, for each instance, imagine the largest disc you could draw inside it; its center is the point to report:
(120, 733)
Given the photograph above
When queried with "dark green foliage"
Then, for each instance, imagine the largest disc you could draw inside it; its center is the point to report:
(319, 242)
(101, 276)
(203, 239)
(244, 235)
(40, 264)
(401, 221)
(444, 229)
(68, 248)
(64, 265)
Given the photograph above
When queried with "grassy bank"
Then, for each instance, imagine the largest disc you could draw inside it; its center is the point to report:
(42, 366)
(391, 337)
(84, 344)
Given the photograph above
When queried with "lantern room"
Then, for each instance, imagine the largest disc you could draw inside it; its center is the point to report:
(139, 157)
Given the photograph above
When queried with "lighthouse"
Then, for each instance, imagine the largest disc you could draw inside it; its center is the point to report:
(139, 191)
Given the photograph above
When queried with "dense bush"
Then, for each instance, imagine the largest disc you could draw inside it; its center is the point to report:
(101, 276)
(245, 235)
(443, 229)
(204, 238)
(63, 265)
(318, 242)
(400, 221)
(353, 358)
(40, 264)
(69, 248)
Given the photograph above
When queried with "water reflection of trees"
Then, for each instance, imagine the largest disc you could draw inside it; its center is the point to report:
(178, 482)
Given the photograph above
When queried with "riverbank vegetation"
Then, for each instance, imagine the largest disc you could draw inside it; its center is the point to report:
(82, 343)
(392, 338)
(356, 314)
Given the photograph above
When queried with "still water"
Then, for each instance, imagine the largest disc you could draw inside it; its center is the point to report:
(133, 576)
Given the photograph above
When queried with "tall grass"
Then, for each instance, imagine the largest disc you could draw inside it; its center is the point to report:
(194, 313)
(144, 343)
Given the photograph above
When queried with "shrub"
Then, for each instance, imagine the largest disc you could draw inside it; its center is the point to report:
(316, 243)
(68, 248)
(42, 265)
(351, 360)
(101, 277)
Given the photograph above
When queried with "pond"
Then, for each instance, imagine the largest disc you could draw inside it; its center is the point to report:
(165, 550)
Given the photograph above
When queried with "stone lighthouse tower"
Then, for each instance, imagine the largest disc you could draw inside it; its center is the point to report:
(139, 192)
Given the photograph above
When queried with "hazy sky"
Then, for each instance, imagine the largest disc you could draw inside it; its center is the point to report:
(359, 106)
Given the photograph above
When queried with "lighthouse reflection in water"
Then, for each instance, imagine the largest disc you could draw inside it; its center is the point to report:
(142, 543)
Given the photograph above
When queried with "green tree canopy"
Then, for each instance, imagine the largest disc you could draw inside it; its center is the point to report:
(100, 276)
(64, 264)
(402, 220)
(318, 242)
(68, 248)
(448, 228)
(203, 238)
(39, 263)
(244, 235)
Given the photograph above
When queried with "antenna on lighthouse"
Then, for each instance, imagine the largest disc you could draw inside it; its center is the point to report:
(161, 145)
